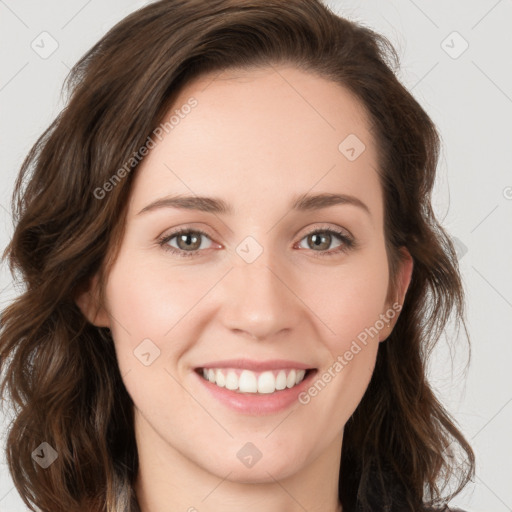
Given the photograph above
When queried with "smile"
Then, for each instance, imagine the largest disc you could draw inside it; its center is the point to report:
(248, 381)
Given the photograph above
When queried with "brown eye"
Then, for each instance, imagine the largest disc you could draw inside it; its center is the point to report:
(319, 240)
(186, 242)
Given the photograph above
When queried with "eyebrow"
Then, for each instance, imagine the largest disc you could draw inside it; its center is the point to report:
(302, 203)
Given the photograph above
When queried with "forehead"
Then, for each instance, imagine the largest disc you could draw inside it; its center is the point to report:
(256, 136)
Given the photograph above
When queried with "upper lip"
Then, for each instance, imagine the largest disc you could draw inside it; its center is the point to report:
(256, 366)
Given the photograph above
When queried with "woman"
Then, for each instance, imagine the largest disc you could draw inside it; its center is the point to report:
(234, 275)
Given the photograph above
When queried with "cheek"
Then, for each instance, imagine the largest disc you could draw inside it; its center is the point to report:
(348, 299)
(352, 312)
(156, 312)
(149, 309)
(149, 301)
(349, 302)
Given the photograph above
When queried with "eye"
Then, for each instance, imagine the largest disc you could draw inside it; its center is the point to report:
(188, 242)
(321, 239)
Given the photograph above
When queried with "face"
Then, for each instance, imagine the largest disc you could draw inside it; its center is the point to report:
(278, 276)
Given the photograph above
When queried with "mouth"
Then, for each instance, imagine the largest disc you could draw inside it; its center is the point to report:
(245, 381)
(253, 387)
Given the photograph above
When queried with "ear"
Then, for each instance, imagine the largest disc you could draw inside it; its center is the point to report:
(87, 299)
(404, 275)
(400, 287)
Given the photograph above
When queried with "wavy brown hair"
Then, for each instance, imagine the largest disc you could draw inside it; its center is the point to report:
(402, 451)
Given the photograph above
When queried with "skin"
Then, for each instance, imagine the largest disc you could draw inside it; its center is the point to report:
(269, 134)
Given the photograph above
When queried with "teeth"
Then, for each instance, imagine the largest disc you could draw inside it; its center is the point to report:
(220, 379)
(247, 381)
(266, 383)
(231, 380)
(290, 381)
(281, 380)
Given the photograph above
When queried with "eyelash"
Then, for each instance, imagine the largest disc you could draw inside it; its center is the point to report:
(348, 243)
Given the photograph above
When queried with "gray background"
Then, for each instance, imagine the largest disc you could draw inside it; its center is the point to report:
(467, 92)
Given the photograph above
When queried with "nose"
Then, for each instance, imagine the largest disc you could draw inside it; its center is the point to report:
(259, 300)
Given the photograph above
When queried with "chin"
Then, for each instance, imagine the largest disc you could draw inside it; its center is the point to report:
(267, 469)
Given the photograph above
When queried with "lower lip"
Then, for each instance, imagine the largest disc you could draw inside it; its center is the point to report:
(256, 403)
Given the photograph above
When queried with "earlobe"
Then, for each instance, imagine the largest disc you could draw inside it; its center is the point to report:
(87, 300)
